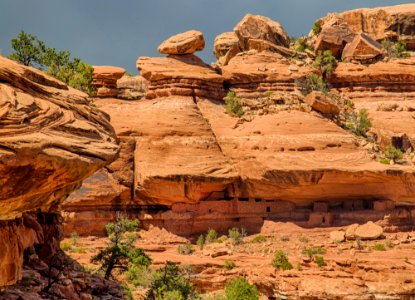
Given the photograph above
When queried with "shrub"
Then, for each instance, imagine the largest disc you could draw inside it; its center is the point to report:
(350, 103)
(236, 236)
(259, 239)
(317, 27)
(302, 45)
(379, 247)
(392, 153)
(185, 248)
(326, 63)
(395, 50)
(74, 239)
(320, 261)
(240, 289)
(120, 251)
(66, 246)
(170, 281)
(385, 161)
(389, 244)
(30, 51)
(312, 82)
(280, 261)
(201, 241)
(304, 239)
(139, 276)
(211, 236)
(285, 238)
(229, 264)
(313, 251)
(233, 105)
(359, 124)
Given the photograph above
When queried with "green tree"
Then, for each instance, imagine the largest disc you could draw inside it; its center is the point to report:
(233, 105)
(240, 289)
(281, 261)
(28, 50)
(317, 27)
(171, 281)
(120, 252)
(359, 123)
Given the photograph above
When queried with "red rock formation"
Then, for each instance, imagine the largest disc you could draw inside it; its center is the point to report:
(50, 140)
(392, 22)
(223, 43)
(131, 87)
(105, 80)
(363, 49)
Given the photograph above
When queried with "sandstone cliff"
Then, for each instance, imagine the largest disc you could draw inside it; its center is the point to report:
(51, 138)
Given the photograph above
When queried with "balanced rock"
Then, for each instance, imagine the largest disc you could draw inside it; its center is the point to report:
(262, 28)
(363, 48)
(334, 35)
(183, 43)
(223, 43)
(105, 80)
(321, 103)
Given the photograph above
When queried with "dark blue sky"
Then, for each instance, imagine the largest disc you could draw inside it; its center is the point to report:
(105, 32)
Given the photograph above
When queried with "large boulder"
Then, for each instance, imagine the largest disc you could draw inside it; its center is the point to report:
(363, 48)
(334, 35)
(51, 139)
(262, 28)
(183, 43)
(321, 103)
(223, 43)
(368, 231)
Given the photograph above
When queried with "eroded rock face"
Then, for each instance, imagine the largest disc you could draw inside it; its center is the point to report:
(223, 43)
(381, 23)
(131, 87)
(183, 43)
(105, 80)
(50, 140)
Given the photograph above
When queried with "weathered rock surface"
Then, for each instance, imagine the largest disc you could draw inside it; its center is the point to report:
(180, 75)
(183, 43)
(363, 48)
(368, 231)
(321, 103)
(50, 140)
(131, 87)
(375, 85)
(262, 28)
(334, 35)
(392, 22)
(105, 80)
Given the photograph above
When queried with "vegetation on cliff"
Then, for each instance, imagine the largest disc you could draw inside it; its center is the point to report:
(31, 51)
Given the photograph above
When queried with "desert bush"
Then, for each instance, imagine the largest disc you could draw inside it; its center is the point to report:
(311, 251)
(319, 260)
(395, 50)
(302, 45)
(312, 82)
(241, 289)
(139, 276)
(236, 235)
(171, 282)
(201, 241)
(259, 239)
(65, 246)
(120, 252)
(304, 239)
(317, 27)
(359, 123)
(211, 236)
(229, 264)
(392, 153)
(233, 105)
(325, 62)
(30, 51)
(185, 249)
(379, 247)
(285, 238)
(281, 261)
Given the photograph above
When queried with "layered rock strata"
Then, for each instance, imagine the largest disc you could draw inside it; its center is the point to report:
(50, 140)
(131, 87)
(105, 80)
